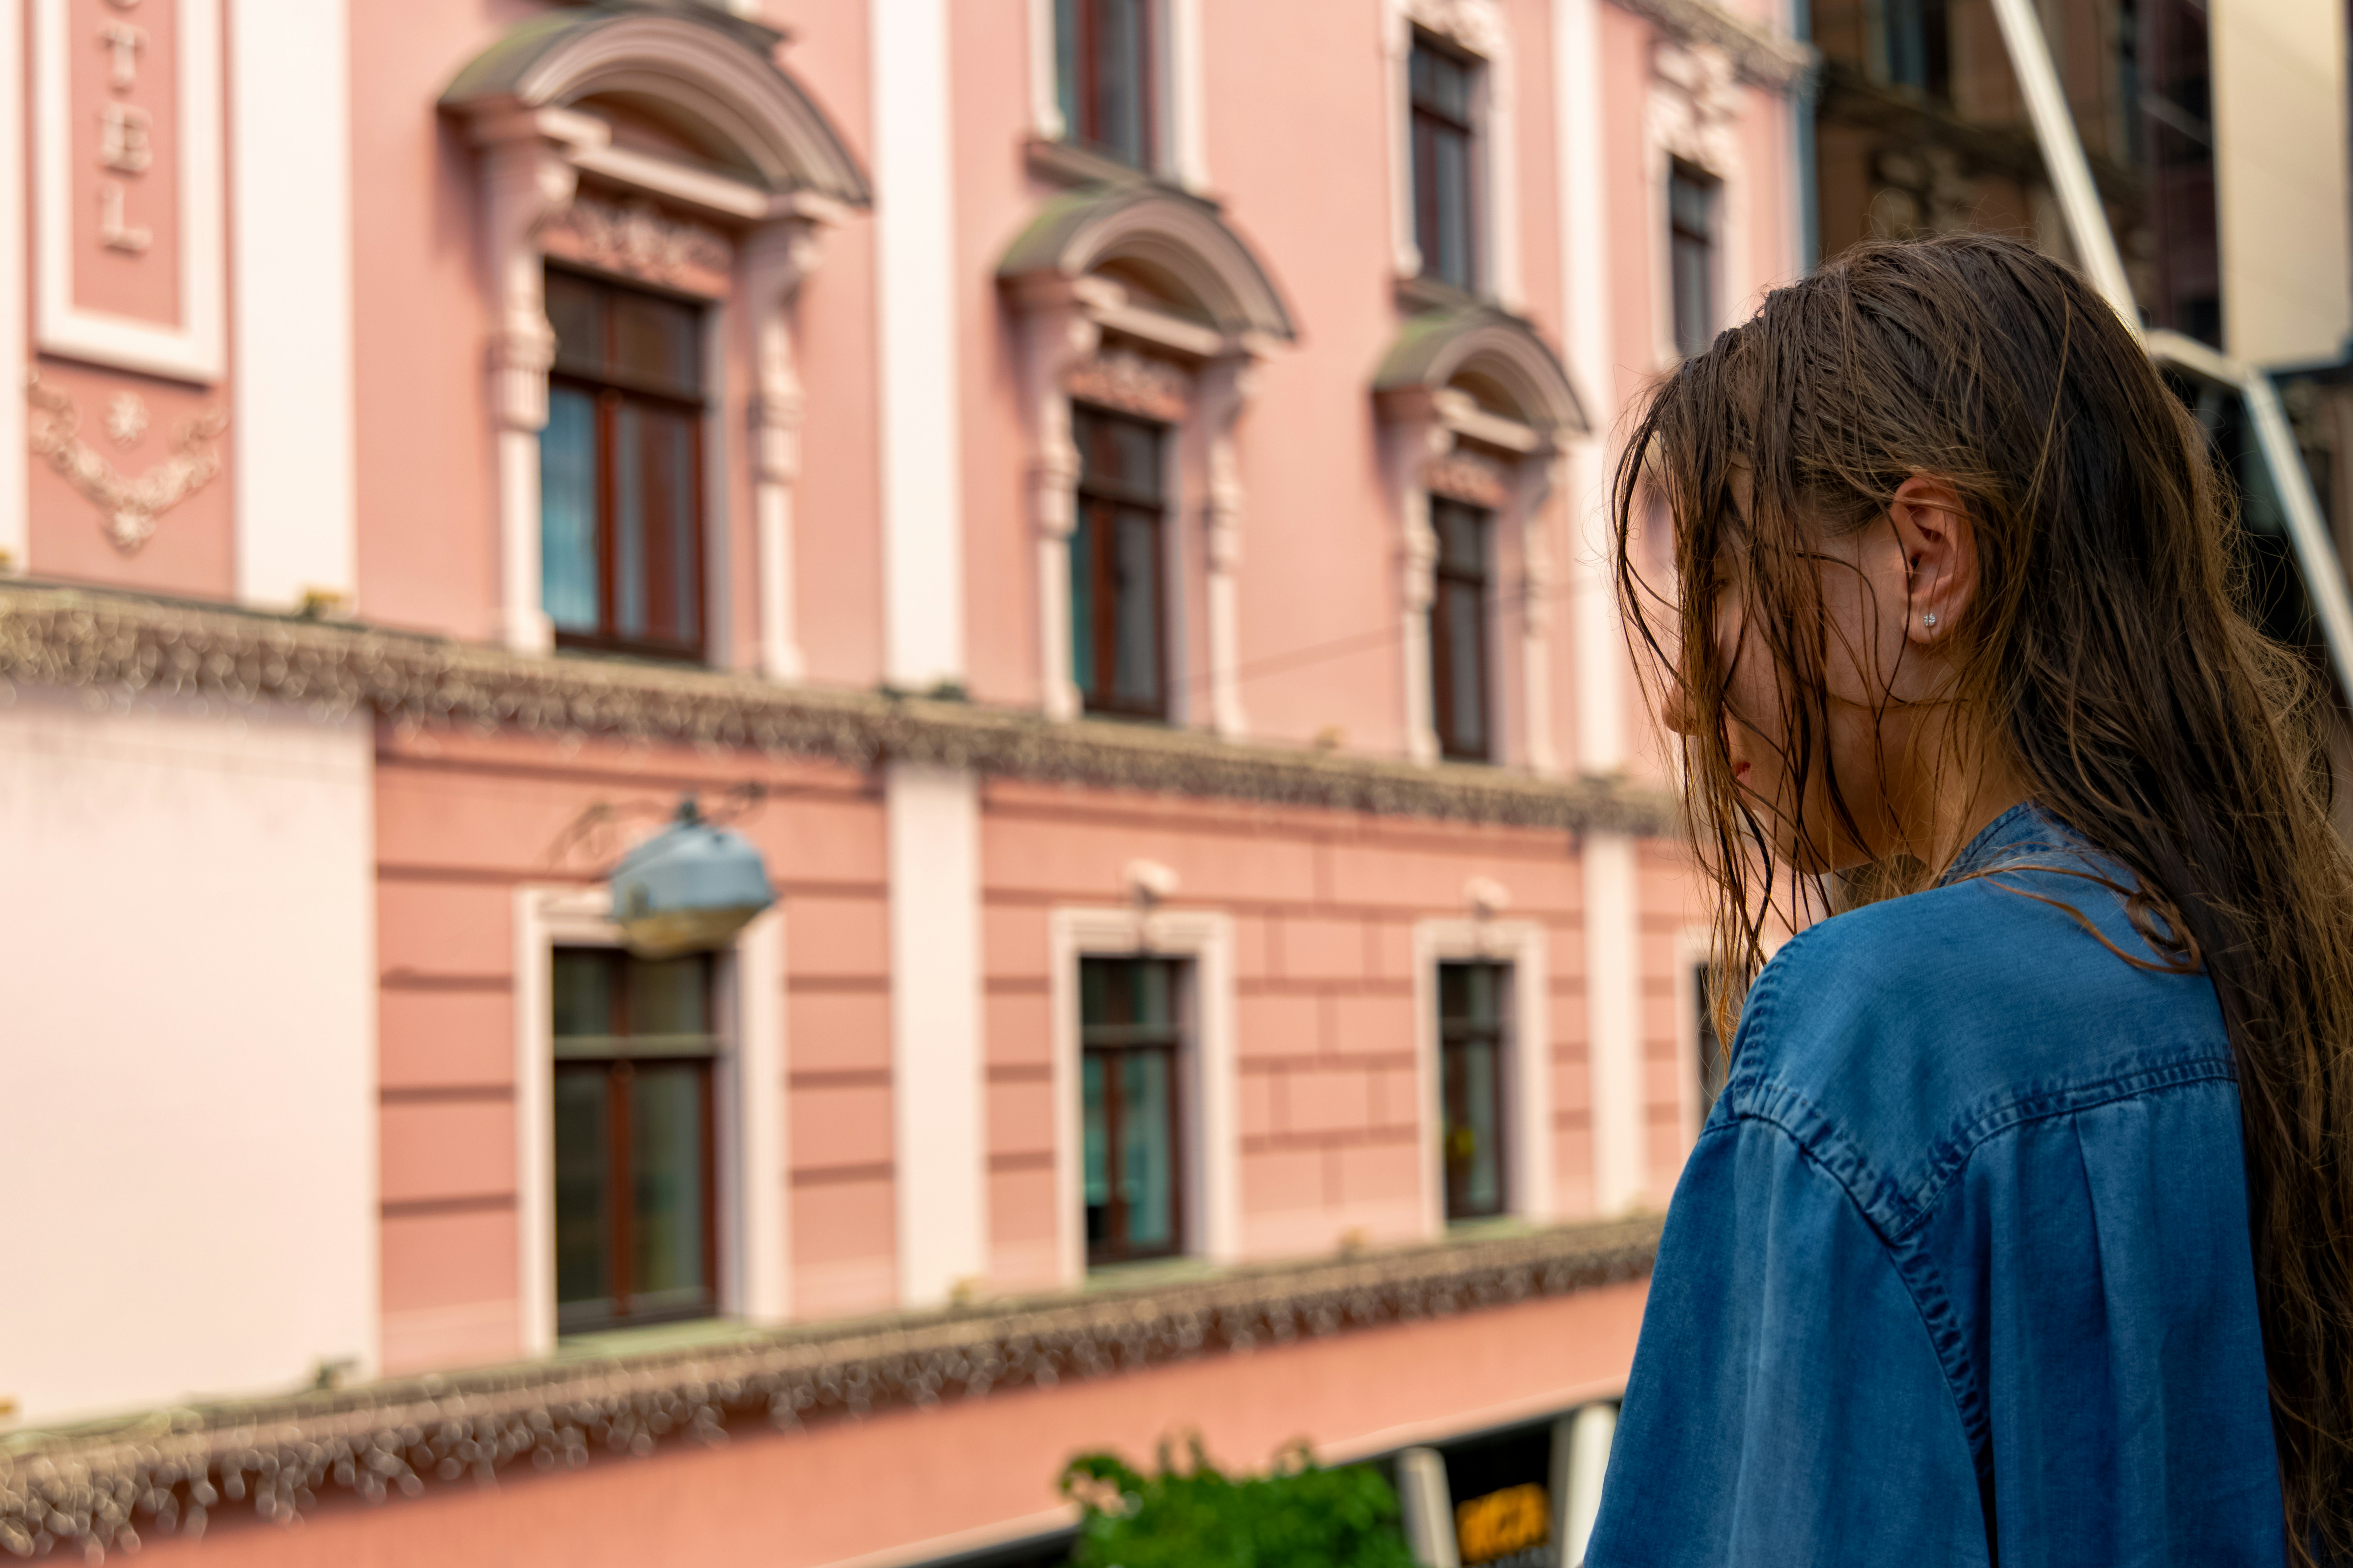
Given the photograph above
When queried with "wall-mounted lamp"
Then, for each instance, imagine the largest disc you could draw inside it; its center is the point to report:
(687, 888)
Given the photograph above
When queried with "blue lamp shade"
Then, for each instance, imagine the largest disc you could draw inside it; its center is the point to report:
(687, 888)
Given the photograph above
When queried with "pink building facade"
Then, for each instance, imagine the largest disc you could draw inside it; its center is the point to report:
(1104, 496)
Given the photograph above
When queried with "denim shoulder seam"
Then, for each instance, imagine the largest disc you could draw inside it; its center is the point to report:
(1925, 1288)
(1953, 1153)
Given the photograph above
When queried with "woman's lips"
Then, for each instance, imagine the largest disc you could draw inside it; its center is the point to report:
(1739, 770)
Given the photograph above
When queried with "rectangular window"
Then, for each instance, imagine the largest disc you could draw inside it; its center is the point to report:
(1915, 46)
(1446, 196)
(1115, 555)
(1458, 629)
(620, 470)
(1471, 1000)
(1130, 1060)
(1104, 59)
(1691, 225)
(636, 1237)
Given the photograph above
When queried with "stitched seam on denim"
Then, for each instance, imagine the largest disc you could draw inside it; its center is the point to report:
(1955, 1151)
(1938, 1321)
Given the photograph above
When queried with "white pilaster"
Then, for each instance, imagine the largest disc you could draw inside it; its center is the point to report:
(1612, 905)
(1225, 387)
(14, 525)
(940, 1158)
(293, 420)
(776, 257)
(923, 545)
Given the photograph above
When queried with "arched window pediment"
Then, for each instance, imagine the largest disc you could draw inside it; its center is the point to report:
(712, 78)
(1175, 247)
(1489, 360)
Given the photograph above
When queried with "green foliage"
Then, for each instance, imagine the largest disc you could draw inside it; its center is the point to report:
(1298, 1515)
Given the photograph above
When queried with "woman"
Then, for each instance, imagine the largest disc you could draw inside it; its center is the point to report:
(2023, 1231)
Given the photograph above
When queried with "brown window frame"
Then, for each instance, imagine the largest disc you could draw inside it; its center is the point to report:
(1429, 119)
(610, 390)
(1112, 1043)
(1453, 1036)
(620, 1066)
(1444, 720)
(1099, 502)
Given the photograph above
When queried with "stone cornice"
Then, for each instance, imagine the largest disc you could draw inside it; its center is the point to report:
(125, 647)
(103, 1485)
(1761, 55)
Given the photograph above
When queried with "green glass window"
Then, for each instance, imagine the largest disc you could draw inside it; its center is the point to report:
(1130, 1043)
(1471, 1085)
(635, 1240)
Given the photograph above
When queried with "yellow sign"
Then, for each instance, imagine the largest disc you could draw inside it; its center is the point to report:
(1501, 1523)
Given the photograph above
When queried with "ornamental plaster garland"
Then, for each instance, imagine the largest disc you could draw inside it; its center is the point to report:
(130, 648)
(640, 239)
(97, 1488)
(130, 505)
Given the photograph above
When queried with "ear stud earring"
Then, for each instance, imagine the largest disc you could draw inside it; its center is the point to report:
(1929, 619)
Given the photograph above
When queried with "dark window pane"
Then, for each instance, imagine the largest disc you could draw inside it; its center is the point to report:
(1458, 629)
(1137, 671)
(620, 495)
(667, 1165)
(1712, 1063)
(1083, 606)
(574, 309)
(1097, 1140)
(654, 342)
(1148, 1151)
(1117, 594)
(567, 511)
(1471, 1087)
(1445, 165)
(672, 997)
(584, 1223)
(1104, 60)
(583, 985)
(1691, 214)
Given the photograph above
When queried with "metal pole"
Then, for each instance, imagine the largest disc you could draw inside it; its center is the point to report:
(2096, 246)
(2062, 156)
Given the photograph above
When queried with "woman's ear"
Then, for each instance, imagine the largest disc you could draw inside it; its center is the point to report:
(1940, 556)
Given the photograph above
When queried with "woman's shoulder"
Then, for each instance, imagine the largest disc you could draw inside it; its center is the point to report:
(1891, 1039)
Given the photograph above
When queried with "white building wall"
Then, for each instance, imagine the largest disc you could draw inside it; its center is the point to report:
(188, 1052)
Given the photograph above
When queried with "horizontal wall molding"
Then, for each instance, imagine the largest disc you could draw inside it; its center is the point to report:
(124, 646)
(105, 1485)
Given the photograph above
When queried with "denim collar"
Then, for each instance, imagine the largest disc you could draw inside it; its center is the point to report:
(2025, 826)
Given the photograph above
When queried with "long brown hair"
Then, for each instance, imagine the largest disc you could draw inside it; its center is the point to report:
(2105, 652)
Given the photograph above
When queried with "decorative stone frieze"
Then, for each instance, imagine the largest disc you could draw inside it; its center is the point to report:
(127, 648)
(101, 1487)
(1133, 383)
(1759, 55)
(128, 504)
(635, 237)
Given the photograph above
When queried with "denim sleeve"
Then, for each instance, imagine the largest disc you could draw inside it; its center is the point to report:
(1787, 1406)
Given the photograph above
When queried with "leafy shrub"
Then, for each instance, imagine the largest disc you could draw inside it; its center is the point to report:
(1297, 1515)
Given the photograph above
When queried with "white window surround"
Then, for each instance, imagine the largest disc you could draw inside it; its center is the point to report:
(15, 499)
(1432, 427)
(750, 1158)
(1692, 115)
(1478, 28)
(1212, 1138)
(1180, 141)
(193, 349)
(1527, 1086)
(513, 101)
(1070, 319)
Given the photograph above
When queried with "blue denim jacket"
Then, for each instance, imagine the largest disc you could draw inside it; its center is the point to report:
(1958, 1270)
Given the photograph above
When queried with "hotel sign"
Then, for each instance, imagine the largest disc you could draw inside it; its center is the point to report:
(127, 183)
